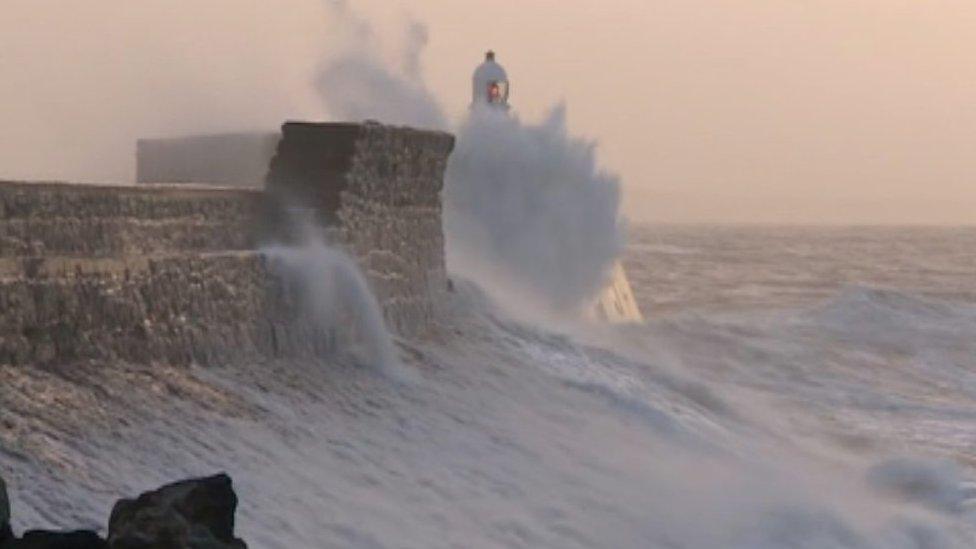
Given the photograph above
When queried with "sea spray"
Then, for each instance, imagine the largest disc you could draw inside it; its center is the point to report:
(527, 204)
(357, 84)
(337, 298)
(521, 437)
(528, 214)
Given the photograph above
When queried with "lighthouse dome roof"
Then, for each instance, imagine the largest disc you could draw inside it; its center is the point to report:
(490, 71)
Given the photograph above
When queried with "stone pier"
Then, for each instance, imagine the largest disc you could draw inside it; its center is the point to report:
(174, 273)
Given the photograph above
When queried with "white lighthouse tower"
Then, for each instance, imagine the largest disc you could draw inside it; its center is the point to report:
(490, 84)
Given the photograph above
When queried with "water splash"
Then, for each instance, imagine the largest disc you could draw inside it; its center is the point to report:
(337, 298)
(528, 204)
(357, 84)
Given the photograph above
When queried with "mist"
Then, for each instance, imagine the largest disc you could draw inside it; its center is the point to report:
(84, 81)
(358, 84)
(754, 430)
(836, 112)
(528, 212)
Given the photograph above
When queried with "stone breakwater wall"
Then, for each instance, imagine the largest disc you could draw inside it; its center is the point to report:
(377, 191)
(173, 273)
(135, 273)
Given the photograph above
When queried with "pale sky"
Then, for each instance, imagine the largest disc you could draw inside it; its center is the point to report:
(814, 111)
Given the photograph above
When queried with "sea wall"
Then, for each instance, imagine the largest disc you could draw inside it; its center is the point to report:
(133, 273)
(174, 273)
(377, 191)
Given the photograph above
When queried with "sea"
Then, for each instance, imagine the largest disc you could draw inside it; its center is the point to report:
(793, 387)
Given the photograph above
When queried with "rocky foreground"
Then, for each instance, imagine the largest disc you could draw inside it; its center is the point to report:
(192, 514)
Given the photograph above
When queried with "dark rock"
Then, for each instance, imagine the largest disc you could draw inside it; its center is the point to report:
(5, 532)
(192, 514)
(38, 539)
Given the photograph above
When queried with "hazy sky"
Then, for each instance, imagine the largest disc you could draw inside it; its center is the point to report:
(711, 110)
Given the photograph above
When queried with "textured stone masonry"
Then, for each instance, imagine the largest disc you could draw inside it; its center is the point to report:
(172, 273)
(43, 219)
(378, 189)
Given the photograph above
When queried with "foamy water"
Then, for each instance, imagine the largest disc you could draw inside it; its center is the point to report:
(794, 388)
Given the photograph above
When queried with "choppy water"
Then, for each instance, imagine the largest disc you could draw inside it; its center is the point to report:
(676, 268)
(794, 388)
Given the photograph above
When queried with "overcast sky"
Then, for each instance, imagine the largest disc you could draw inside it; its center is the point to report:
(837, 111)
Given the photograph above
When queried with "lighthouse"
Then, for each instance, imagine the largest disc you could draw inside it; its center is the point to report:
(490, 84)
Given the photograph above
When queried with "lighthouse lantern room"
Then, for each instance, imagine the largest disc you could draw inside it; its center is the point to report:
(490, 84)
